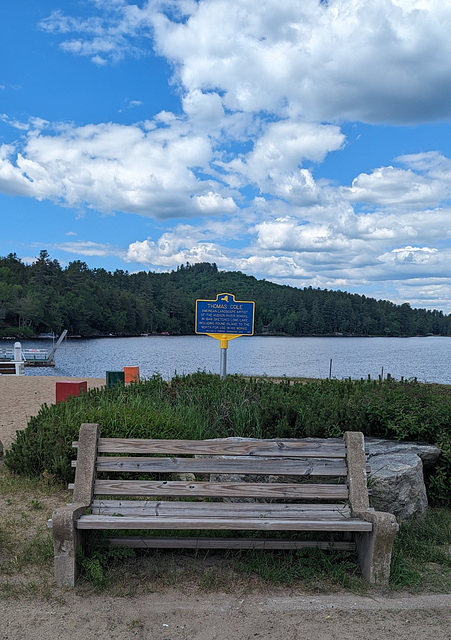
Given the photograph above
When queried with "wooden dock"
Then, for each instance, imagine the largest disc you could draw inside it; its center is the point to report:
(35, 357)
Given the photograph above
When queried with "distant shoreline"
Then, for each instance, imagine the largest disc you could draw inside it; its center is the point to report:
(197, 335)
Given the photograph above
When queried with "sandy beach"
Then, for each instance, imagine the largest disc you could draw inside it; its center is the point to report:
(22, 396)
(190, 613)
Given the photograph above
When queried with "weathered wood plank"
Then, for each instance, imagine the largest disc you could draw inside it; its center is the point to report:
(254, 466)
(221, 523)
(220, 489)
(164, 542)
(316, 448)
(314, 467)
(146, 508)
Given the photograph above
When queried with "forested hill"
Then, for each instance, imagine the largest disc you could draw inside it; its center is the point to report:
(45, 297)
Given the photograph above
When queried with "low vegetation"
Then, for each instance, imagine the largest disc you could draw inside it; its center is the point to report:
(201, 406)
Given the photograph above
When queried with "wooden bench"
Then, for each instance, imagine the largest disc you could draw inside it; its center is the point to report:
(301, 485)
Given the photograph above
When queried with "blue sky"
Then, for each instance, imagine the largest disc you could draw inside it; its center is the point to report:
(300, 141)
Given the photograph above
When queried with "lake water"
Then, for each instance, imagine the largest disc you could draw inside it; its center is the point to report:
(427, 359)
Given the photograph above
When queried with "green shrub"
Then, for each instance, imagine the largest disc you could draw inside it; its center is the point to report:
(200, 405)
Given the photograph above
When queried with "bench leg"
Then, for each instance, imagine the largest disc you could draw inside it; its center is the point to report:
(67, 541)
(374, 547)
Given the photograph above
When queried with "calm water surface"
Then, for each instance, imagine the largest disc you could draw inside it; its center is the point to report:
(428, 359)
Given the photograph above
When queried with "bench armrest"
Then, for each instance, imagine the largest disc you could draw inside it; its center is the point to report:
(66, 541)
(374, 548)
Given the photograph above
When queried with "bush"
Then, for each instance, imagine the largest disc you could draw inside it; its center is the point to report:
(200, 405)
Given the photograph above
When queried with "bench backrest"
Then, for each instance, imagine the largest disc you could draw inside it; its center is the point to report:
(282, 469)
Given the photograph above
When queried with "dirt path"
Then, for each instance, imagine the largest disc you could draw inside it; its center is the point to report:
(173, 616)
(184, 614)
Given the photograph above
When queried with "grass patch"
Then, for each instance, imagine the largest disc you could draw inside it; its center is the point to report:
(26, 545)
(421, 558)
(422, 554)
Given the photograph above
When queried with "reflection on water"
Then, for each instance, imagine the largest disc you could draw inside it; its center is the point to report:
(427, 359)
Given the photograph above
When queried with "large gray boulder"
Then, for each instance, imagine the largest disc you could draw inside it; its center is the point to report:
(396, 481)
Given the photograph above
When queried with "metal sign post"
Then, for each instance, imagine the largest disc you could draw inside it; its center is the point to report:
(225, 319)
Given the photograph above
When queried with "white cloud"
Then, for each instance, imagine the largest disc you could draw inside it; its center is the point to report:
(273, 164)
(289, 236)
(89, 248)
(104, 37)
(425, 260)
(386, 61)
(392, 186)
(212, 204)
(346, 59)
(171, 251)
(204, 109)
(148, 170)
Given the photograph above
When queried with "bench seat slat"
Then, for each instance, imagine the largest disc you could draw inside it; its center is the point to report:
(221, 523)
(157, 507)
(316, 448)
(220, 489)
(255, 466)
(160, 542)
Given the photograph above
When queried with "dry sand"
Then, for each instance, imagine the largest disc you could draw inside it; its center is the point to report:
(22, 396)
(180, 615)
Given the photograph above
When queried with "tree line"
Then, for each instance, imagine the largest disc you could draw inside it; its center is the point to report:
(45, 297)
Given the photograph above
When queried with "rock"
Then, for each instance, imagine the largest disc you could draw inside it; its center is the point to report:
(396, 485)
(1, 449)
(396, 481)
(428, 453)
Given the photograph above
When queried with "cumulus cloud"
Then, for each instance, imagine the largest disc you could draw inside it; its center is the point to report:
(274, 162)
(288, 236)
(204, 109)
(428, 261)
(427, 182)
(344, 59)
(213, 203)
(146, 169)
(171, 250)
